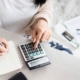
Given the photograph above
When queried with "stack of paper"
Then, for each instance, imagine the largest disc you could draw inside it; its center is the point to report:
(74, 27)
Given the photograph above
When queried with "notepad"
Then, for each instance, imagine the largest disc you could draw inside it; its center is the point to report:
(10, 61)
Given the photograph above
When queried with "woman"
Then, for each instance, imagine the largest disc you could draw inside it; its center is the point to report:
(17, 15)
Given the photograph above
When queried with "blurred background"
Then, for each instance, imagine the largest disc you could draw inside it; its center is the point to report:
(65, 10)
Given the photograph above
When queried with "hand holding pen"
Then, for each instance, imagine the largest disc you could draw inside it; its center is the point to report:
(3, 46)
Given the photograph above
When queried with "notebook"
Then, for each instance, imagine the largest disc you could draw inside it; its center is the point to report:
(10, 61)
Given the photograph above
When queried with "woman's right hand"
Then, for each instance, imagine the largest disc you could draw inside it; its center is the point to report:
(3, 49)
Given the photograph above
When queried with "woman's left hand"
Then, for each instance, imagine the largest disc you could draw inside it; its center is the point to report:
(41, 32)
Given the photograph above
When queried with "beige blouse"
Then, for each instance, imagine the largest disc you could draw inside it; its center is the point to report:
(44, 12)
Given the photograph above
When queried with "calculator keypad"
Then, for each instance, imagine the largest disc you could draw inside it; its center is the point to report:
(30, 53)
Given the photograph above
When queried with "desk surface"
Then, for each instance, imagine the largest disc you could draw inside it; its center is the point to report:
(63, 66)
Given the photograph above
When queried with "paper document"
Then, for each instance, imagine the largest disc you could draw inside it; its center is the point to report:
(76, 52)
(66, 34)
(74, 27)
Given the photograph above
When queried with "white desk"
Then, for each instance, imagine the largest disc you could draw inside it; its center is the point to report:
(63, 66)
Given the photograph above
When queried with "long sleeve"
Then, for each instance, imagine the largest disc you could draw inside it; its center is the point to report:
(45, 12)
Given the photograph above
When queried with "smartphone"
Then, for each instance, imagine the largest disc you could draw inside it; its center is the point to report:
(18, 76)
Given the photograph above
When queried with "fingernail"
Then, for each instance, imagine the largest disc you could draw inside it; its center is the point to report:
(33, 40)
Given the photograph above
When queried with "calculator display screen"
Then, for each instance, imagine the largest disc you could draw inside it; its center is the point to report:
(38, 61)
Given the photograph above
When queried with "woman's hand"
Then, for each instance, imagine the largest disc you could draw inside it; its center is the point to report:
(3, 46)
(41, 32)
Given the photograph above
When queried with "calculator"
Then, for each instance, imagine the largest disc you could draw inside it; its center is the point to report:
(34, 58)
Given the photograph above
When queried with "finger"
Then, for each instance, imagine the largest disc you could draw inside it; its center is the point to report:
(36, 43)
(34, 36)
(44, 37)
(3, 49)
(5, 43)
(1, 54)
(48, 37)
(38, 37)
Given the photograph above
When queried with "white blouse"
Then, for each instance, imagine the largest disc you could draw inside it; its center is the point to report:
(15, 15)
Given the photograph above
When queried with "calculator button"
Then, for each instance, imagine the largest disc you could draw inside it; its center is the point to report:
(40, 49)
(34, 54)
(27, 56)
(41, 52)
(30, 45)
(32, 48)
(31, 55)
(36, 49)
(38, 53)
(26, 46)
(24, 51)
(39, 46)
(22, 46)
(33, 51)
(29, 51)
